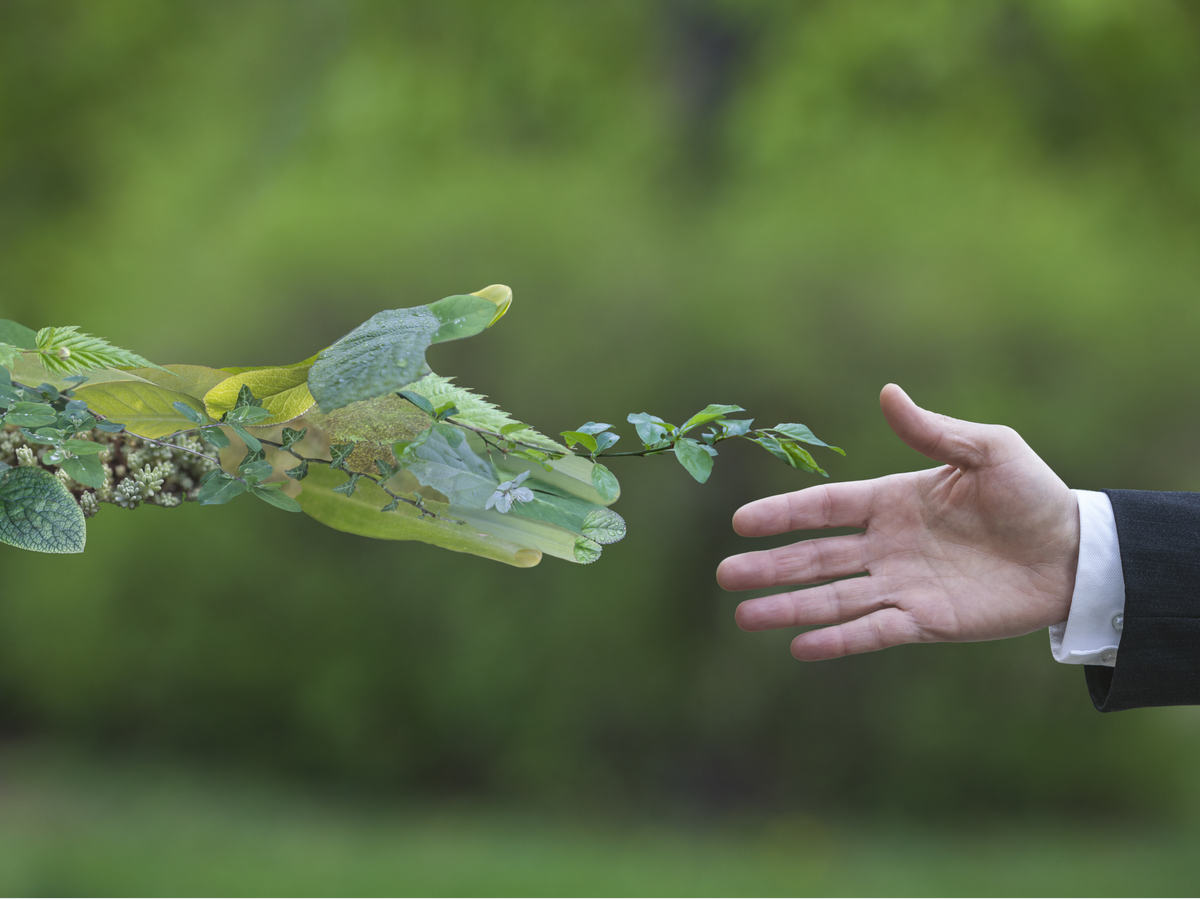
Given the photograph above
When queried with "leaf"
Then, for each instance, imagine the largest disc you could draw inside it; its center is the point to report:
(587, 551)
(145, 409)
(695, 458)
(248, 439)
(457, 472)
(9, 395)
(194, 381)
(187, 410)
(594, 427)
(38, 513)
(651, 429)
(219, 489)
(349, 486)
(606, 439)
(247, 415)
(387, 352)
(605, 483)
(30, 415)
(8, 354)
(87, 470)
(68, 351)
(736, 427)
(710, 413)
(18, 335)
(273, 494)
(578, 437)
(603, 526)
(256, 470)
(338, 454)
(802, 433)
(215, 436)
(478, 412)
(291, 436)
(510, 428)
(300, 472)
(418, 401)
(283, 390)
(80, 447)
(361, 515)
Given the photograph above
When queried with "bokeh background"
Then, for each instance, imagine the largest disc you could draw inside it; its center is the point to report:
(774, 203)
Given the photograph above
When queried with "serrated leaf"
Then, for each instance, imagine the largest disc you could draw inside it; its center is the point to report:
(695, 458)
(221, 488)
(710, 413)
(603, 526)
(30, 415)
(87, 470)
(38, 513)
(476, 411)
(273, 494)
(282, 390)
(145, 409)
(587, 551)
(605, 483)
(798, 432)
(68, 351)
(387, 352)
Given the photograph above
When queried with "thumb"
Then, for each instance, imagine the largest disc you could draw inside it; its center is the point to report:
(941, 438)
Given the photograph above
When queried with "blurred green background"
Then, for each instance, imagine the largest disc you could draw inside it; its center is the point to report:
(774, 203)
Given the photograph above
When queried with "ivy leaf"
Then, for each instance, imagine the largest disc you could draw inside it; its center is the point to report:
(87, 470)
(68, 351)
(603, 526)
(300, 472)
(605, 483)
(651, 429)
(38, 513)
(710, 413)
(695, 458)
(291, 436)
(579, 437)
(802, 433)
(387, 352)
(338, 454)
(273, 494)
(221, 488)
(18, 335)
(349, 486)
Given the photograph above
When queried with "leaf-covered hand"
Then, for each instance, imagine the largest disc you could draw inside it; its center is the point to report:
(984, 547)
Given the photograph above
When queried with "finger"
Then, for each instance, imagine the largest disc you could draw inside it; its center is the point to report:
(951, 441)
(846, 505)
(805, 562)
(885, 628)
(828, 604)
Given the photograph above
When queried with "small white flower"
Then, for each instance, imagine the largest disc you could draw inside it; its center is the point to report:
(508, 493)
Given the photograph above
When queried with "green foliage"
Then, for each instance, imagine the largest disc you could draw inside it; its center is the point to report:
(67, 351)
(38, 513)
(145, 409)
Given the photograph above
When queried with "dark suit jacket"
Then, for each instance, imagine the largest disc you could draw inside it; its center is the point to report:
(1158, 662)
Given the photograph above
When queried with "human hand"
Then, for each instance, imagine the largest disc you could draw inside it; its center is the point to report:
(984, 547)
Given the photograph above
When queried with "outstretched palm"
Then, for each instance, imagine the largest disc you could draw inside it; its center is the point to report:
(981, 548)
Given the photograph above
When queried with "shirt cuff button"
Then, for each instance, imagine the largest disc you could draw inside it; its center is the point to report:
(1118, 622)
(1108, 656)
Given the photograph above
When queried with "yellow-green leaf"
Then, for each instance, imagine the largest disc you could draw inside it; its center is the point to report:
(195, 381)
(360, 514)
(144, 409)
(282, 389)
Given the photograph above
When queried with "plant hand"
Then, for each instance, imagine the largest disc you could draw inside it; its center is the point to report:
(984, 547)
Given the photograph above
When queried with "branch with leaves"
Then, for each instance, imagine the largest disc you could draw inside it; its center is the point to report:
(362, 437)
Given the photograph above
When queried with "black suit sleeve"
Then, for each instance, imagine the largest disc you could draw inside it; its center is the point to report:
(1158, 662)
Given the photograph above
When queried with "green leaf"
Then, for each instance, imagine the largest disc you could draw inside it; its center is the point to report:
(606, 439)
(186, 409)
(458, 472)
(281, 390)
(291, 436)
(798, 432)
(18, 335)
(579, 437)
(338, 454)
(30, 415)
(256, 470)
(710, 413)
(736, 427)
(221, 488)
(145, 409)
(193, 381)
(8, 354)
(300, 472)
(510, 428)
(695, 458)
(9, 395)
(651, 429)
(463, 316)
(418, 401)
(391, 507)
(215, 436)
(361, 515)
(248, 439)
(68, 351)
(80, 447)
(349, 486)
(87, 470)
(38, 513)
(605, 483)
(603, 526)
(476, 411)
(587, 551)
(273, 494)
(248, 415)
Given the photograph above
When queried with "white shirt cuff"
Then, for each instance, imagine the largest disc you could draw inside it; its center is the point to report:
(1092, 632)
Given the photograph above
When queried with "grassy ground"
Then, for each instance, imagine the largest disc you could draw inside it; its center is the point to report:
(69, 827)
